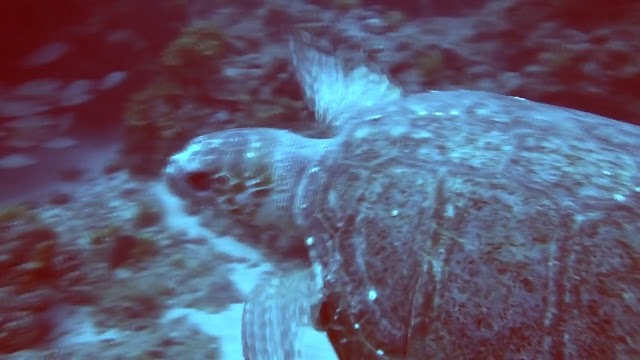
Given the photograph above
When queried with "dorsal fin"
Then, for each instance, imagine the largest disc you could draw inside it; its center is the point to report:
(332, 91)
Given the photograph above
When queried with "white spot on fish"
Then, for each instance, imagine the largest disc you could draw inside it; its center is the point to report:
(250, 154)
(454, 112)
(309, 241)
(618, 197)
(372, 295)
(394, 212)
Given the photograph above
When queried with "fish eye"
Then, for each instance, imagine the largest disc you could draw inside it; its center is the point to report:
(199, 181)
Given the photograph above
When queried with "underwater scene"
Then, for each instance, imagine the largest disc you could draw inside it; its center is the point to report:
(323, 180)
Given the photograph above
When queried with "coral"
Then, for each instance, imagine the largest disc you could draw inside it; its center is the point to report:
(146, 216)
(152, 127)
(21, 330)
(431, 64)
(195, 53)
(346, 4)
(60, 198)
(135, 301)
(589, 13)
(559, 58)
(190, 95)
(123, 248)
(28, 251)
(395, 18)
(159, 118)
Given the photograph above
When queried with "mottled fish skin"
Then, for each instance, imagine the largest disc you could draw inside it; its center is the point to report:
(453, 224)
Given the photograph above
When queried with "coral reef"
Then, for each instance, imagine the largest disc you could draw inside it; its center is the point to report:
(196, 53)
(191, 94)
(163, 115)
(152, 127)
(37, 275)
(133, 302)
